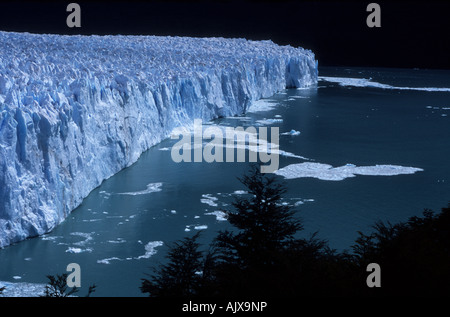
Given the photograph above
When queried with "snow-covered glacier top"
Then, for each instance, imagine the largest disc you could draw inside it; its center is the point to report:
(74, 110)
(40, 64)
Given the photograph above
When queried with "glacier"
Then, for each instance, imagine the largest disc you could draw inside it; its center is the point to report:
(75, 110)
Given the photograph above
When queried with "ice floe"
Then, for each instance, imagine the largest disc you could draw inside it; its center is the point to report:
(150, 249)
(196, 227)
(118, 240)
(151, 188)
(269, 121)
(248, 140)
(299, 97)
(364, 82)
(239, 118)
(292, 132)
(330, 173)
(209, 200)
(78, 250)
(108, 260)
(87, 237)
(220, 215)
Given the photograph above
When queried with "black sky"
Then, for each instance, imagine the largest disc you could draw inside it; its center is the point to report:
(413, 34)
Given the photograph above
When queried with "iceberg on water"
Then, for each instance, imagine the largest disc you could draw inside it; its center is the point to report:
(364, 82)
(75, 110)
(330, 173)
(292, 132)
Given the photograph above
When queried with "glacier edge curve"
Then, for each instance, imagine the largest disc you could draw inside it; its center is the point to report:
(75, 110)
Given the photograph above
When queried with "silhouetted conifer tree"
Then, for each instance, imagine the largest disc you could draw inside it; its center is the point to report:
(257, 258)
(57, 287)
(184, 273)
(265, 224)
(414, 256)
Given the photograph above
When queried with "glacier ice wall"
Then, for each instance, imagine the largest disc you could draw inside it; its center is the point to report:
(74, 110)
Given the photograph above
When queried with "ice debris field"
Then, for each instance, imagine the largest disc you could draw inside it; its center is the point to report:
(75, 110)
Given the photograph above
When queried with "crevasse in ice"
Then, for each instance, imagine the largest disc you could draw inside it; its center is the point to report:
(75, 110)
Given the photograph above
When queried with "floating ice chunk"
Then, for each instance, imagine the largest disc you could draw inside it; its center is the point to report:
(292, 132)
(78, 250)
(151, 188)
(256, 144)
(74, 250)
(108, 260)
(16, 277)
(209, 200)
(50, 238)
(269, 121)
(87, 237)
(105, 194)
(240, 192)
(173, 212)
(363, 82)
(220, 215)
(330, 173)
(240, 118)
(118, 240)
(300, 97)
(289, 154)
(262, 105)
(150, 249)
(196, 227)
(385, 170)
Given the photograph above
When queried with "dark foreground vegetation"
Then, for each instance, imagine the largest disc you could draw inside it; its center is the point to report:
(265, 257)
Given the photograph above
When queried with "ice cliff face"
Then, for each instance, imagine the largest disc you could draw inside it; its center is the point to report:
(74, 110)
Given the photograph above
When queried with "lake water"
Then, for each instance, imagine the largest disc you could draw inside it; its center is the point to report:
(392, 118)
